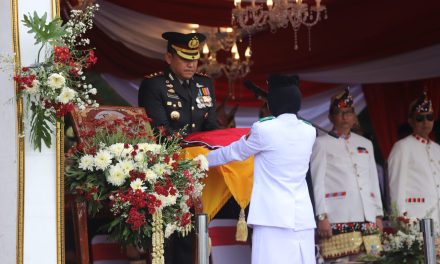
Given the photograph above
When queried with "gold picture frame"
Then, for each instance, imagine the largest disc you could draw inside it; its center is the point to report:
(21, 153)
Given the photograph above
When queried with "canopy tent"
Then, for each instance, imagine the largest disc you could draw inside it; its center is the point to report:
(362, 42)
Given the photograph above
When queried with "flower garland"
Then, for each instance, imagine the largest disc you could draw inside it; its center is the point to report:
(55, 84)
(157, 239)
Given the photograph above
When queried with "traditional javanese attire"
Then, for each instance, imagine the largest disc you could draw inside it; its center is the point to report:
(414, 177)
(345, 181)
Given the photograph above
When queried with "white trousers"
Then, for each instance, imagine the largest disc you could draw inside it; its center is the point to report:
(274, 245)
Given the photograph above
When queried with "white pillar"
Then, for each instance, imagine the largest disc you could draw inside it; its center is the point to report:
(8, 153)
(40, 244)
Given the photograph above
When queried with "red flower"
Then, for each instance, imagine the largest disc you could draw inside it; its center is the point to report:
(61, 54)
(91, 59)
(135, 219)
(186, 219)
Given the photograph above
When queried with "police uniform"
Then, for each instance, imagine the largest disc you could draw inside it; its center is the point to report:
(414, 172)
(280, 210)
(179, 104)
(174, 103)
(345, 182)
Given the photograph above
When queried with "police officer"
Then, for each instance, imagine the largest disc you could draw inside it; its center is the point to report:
(280, 210)
(179, 97)
(414, 166)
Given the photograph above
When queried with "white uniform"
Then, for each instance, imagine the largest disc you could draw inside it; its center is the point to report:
(345, 181)
(280, 199)
(414, 177)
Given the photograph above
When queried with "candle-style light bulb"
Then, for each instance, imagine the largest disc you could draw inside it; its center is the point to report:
(248, 52)
(234, 49)
(236, 56)
(205, 49)
(269, 4)
(237, 3)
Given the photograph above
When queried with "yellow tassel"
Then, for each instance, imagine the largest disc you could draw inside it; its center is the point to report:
(242, 231)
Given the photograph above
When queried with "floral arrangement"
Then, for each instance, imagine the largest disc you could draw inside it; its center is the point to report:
(148, 187)
(55, 84)
(402, 244)
(406, 245)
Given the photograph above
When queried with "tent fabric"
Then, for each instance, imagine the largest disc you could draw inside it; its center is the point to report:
(389, 106)
(362, 42)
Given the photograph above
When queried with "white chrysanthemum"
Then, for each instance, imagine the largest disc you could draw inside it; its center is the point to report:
(93, 91)
(169, 229)
(138, 184)
(167, 200)
(116, 175)
(66, 95)
(126, 166)
(103, 159)
(35, 87)
(154, 148)
(56, 81)
(87, 162)
(203, 161)
(140, 158)
(116, 149)
(151, 176)
(160, 168)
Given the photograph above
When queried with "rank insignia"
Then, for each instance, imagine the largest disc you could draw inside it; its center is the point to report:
(179, 104)
(175, 115)
(169, 103)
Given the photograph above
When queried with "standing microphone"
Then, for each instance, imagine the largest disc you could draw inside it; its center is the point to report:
(262, 95)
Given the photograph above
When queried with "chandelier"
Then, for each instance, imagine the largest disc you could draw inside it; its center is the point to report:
(278, 14)
(233, 67)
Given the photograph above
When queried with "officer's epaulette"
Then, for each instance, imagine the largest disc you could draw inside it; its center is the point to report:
(266, 118)
(202, 74)
(151, 75)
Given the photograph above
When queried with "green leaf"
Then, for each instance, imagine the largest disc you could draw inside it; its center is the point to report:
(44, 32)
(41, 130)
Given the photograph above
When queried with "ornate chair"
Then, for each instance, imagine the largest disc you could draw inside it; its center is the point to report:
(83, 120)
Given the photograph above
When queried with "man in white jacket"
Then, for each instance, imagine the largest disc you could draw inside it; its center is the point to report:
(414, 166)
(344, 175)
(280, 212)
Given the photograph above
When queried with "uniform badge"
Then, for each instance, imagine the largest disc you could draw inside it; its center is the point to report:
(171, 90)
(179, 104)
(169, 103)
(206, 115)
(175, 115)
(171, 77)
(200, 103)
(173, 96)
(198, 85)
(169, 85)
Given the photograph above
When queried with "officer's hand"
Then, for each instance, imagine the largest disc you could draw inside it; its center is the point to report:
(324, 228)
(379, 223)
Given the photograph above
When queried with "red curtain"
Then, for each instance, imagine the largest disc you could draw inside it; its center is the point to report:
(388, 106)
